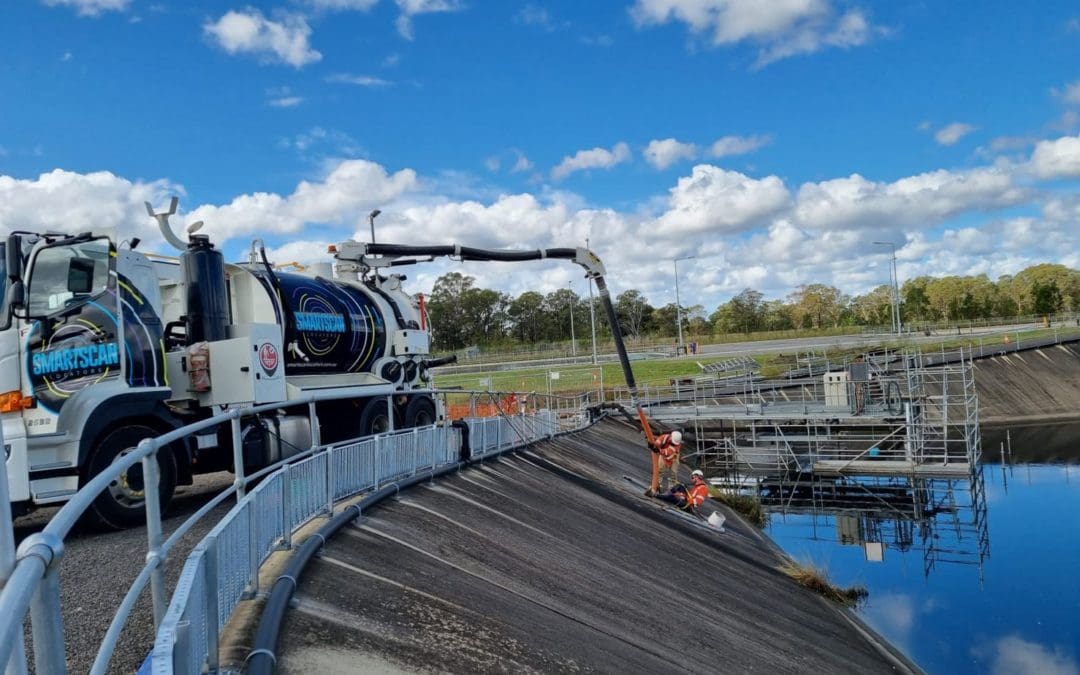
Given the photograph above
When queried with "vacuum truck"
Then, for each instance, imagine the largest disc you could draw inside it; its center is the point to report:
(102, 346)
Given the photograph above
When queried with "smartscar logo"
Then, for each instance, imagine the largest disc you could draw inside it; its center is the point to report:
(72, 359)
(317, 322)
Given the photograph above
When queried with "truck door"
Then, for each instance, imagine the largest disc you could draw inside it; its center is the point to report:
(72, 338)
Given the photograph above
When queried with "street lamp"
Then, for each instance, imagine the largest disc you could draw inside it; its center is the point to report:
(592, 313)
(894, 292)
(573, 342)
(678, 305)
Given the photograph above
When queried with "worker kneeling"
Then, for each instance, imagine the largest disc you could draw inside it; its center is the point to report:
(688, 500)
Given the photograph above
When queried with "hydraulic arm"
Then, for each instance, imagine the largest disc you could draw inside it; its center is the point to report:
(363, 257)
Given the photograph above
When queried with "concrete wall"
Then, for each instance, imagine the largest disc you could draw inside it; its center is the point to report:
(1040, 385)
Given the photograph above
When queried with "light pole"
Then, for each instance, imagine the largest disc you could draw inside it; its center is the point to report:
(592, 313)
(894, 282)
(678, 305)
(573, 342)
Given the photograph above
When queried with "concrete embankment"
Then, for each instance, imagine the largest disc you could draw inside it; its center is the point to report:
(1033, 386)
(550, 561)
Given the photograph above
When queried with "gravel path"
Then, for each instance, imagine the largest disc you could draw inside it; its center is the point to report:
(98, 568)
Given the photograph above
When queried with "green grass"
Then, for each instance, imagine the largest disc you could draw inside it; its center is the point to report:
(661, 371)
(746, 506)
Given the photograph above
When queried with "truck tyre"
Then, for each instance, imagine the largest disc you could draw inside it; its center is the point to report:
(375, 419)
(420, 412)
(121, 504)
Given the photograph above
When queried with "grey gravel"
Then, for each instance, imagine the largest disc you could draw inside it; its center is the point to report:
(99, 567)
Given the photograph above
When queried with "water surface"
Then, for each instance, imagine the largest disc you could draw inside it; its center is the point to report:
(959, 588)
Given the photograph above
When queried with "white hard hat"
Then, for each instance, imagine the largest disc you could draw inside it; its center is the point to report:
(676, 437)
(698, 473)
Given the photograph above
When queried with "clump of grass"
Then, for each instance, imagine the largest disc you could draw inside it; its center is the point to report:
(746, 506)
(811, 577)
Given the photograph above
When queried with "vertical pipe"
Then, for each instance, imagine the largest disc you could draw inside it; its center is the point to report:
(16, 664)
(151, 478)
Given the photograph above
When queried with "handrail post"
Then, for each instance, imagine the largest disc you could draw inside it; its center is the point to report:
(151, 478)
(316, 441)
(238, 456)
(210, 559)
(46, 621)
(16, 664)
(286, 525)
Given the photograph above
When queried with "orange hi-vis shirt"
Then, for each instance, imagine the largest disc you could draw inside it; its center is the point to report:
(698, 493)
(667, 448)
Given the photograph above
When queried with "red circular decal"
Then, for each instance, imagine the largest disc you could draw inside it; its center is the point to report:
(268, 358)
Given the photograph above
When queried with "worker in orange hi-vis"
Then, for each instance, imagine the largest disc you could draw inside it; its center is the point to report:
(688, 500)
(668, 447)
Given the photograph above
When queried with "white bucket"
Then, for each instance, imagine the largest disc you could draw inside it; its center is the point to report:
(717, 520)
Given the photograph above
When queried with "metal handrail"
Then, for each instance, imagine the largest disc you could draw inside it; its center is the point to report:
(33, 582)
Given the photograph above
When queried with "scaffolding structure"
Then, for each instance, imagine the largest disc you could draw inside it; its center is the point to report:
(892, 416)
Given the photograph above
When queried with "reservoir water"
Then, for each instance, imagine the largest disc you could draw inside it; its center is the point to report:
(965, 576)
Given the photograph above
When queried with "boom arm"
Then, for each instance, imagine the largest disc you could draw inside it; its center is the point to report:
(359, 254)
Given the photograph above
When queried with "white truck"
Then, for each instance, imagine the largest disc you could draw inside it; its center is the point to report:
(102, 346)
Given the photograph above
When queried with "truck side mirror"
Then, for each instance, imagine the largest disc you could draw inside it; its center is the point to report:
(13, 257)
(14, 304)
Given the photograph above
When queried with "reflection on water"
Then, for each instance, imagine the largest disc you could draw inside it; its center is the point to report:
(922, 548)
(943, 519)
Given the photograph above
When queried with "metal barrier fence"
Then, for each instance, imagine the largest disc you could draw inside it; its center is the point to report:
(187, 639)
(223, 568)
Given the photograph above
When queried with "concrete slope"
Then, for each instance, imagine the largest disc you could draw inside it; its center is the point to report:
(1037, 385)
(550, 561)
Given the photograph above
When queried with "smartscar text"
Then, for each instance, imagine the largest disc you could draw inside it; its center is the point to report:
(76, 358)
(317, 322)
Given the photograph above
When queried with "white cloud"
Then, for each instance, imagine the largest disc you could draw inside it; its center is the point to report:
(780, 28)
(342, 5)
(411, 8)
(1070, 93)
(73, 202)
(249, 32)
(737, 145)
(1059, 158)
(91, 7)
(662, 154)
(328, 141)
(534, 15)
(358, 80)
(1014, 655)
(855, 202)
(596, 158)
(344, 196)
(951, 133)
(521, 162)
(718, 201)
(286, 101)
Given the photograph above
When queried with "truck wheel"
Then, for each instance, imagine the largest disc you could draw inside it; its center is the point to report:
(420, 412)
(121, 504)
(375, 419)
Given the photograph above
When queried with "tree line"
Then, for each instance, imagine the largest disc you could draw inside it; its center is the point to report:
(463, 314)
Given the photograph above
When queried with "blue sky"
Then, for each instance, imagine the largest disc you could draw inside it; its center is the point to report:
(776, 141)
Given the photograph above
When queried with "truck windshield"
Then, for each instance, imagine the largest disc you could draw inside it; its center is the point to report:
(63, 276)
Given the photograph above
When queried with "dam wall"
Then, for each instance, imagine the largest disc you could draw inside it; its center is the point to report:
(1029, 386)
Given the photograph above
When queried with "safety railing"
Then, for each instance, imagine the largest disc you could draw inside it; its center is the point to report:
(223, 568)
